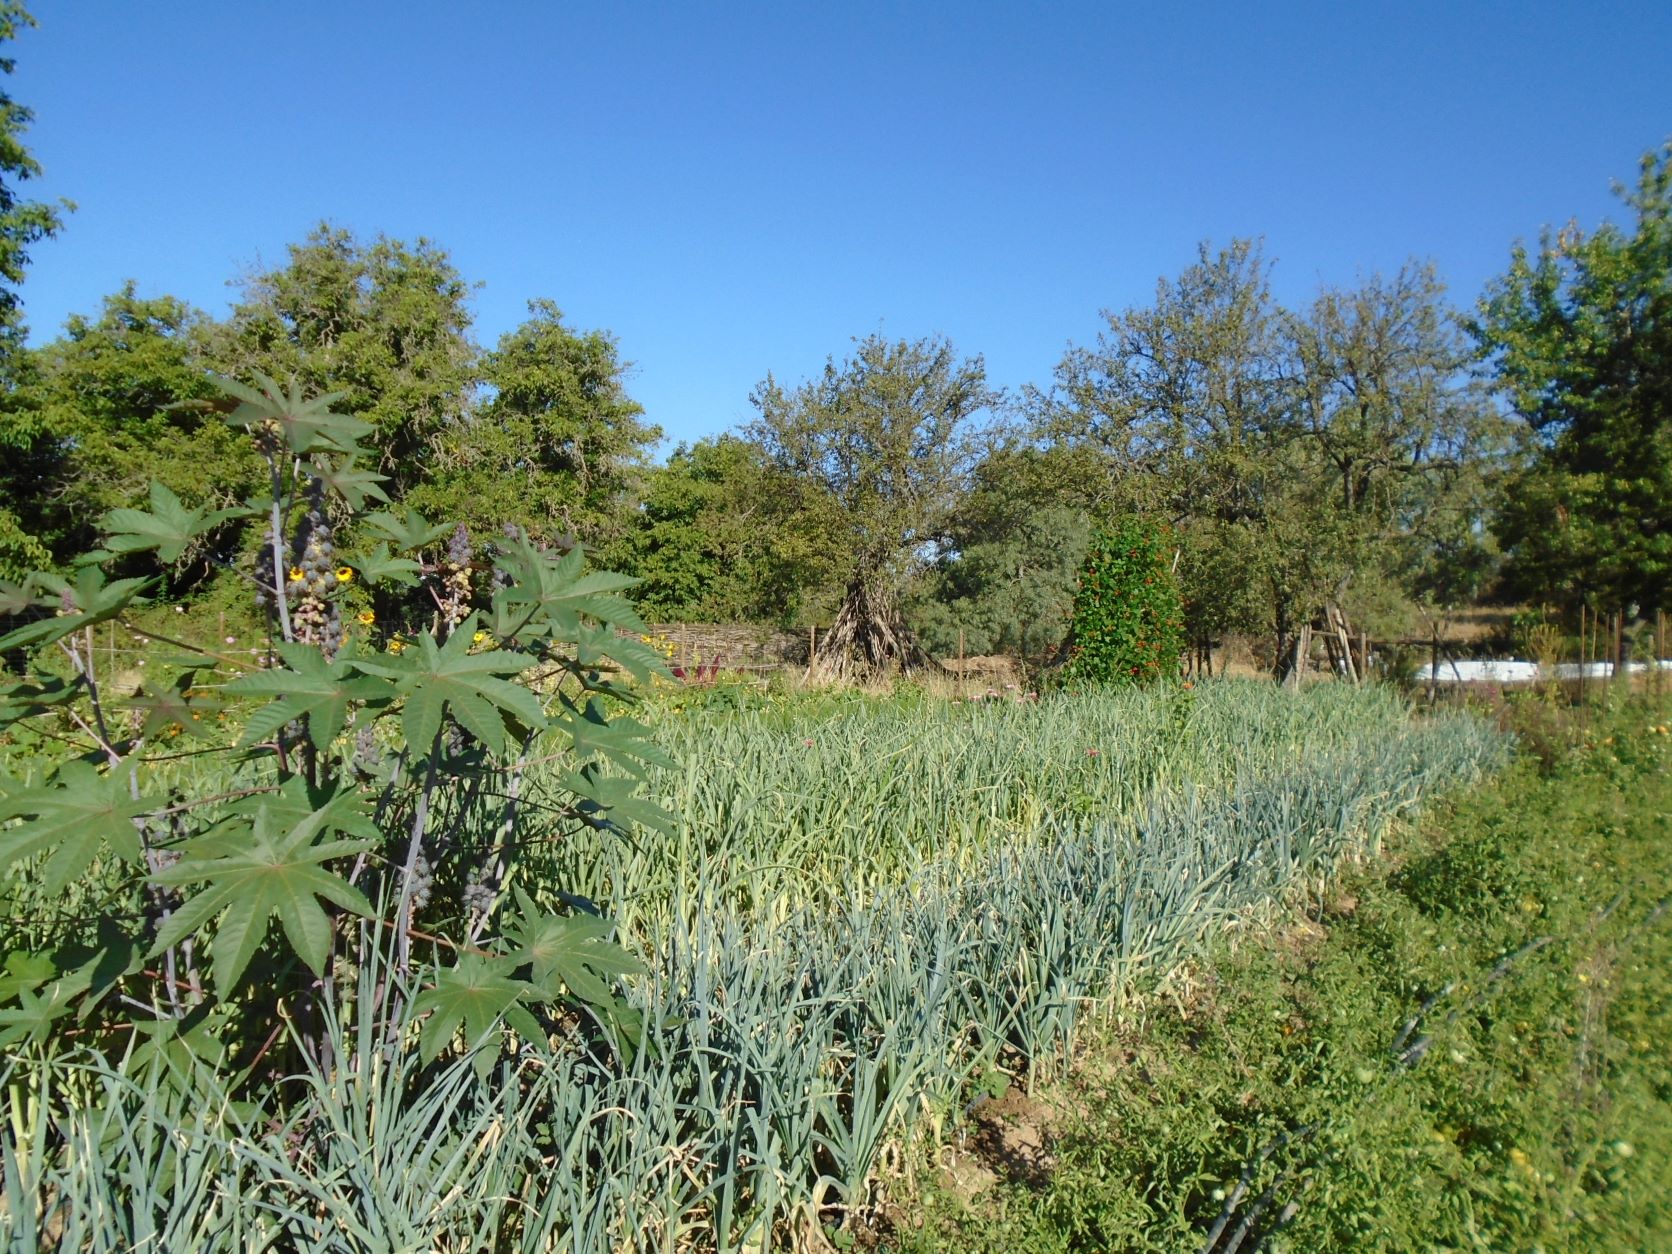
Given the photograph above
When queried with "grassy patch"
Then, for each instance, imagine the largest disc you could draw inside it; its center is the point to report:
(1472, 1050)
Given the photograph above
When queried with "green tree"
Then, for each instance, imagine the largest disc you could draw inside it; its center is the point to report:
(126, 395)
(716, 539)
(1334, 456)
(29, 447)
(1579, 335)
(1407, 446)
(23, 223)
(882, 445)
(1005, 583)
(385, 324)
(558, 447)
(394, 769)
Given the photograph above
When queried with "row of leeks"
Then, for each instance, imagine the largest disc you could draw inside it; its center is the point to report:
(805, 802)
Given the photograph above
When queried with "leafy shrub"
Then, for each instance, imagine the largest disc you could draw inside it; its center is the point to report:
(1127, 624)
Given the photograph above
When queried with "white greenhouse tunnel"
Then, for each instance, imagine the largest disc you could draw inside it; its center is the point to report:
(1508, 671)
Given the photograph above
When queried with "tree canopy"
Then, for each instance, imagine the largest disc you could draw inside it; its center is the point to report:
(1303, 457)
(384, 323)
(558, 444)
(118, 390)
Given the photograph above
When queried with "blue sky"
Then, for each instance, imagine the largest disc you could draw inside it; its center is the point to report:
(737, 188)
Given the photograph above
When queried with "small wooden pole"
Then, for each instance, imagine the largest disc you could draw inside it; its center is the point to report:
(1660, 648)
(1434, 668)
(1583, 678)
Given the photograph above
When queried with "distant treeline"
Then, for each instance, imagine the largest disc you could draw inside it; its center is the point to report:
(1375, 451)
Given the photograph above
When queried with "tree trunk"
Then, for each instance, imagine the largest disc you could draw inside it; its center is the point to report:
(1298, 658)
(1283, 653)
(869, 639)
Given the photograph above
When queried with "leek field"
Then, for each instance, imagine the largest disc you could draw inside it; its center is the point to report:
(862, 910)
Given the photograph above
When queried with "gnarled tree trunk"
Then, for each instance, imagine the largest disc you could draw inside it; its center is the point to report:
(869, 639)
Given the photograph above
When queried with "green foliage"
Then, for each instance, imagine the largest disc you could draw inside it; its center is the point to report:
(1404, 451)
(718, 540)
(836, 948)
(1127, 623)
(70, 821)
(123, 402)
(257, 865)
(287, 420)
(90, 598)
(879, 446)
(28, 446)
(568, 952)
(167, 528)
(845, 819)
(1579, 335)
(882, 439)
(474, 994)
(323, 691)
(23, 223)
(456, 680)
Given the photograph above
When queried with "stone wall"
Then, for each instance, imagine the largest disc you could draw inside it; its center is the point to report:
(734, 647)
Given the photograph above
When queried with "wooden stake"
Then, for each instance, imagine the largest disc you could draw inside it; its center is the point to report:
(1303, 651)
(1660, 647)
(1434, 668)
(1583, 678)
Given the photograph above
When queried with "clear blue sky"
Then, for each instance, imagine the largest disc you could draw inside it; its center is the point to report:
(737, 188)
